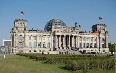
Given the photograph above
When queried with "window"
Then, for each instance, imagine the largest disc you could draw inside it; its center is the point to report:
(80, 38)
(95, 39)
(39, 37)
(44, 46)
(30, 45)
(34, 37)
(95, 45)
(91, 38)
(35, 51)
(80, 45)
(34, 45)
(84, 45)
(48, 45)
(20, 37)
(48, 38)
(29, 50)
(20, 44)
(84, 39)
(87, 45)
(29, 37)
(20, 22)
(39, 44)
(43, 38)
(91, 45)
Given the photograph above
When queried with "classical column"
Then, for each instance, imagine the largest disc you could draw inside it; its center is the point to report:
(72, 41)
(64, 40)
(37, 41)
(85, 42)
(56, 41)
(97, 42)
(41, 42)
(101, 42)
(52, 43)
(106, 42)
(25, 40)
(92, 42)
(82, 42)
(78, 41)
(69, 42)
(60, 41)
(14, 42)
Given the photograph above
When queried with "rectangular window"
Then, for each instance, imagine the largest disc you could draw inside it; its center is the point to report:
(91, 45)
(29, 37)
(34, 37)
(87, 45)
(30, 45)
(84, 45)
(48, 45)
(39, 38)
(39, 44)
(95, 45)
(84, 39)
(48, 38)
(44, 45)
(34, 45)
(43, 38)
(20, 44)
(95, 39)
(80, 45)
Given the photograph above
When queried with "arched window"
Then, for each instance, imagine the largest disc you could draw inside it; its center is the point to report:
(20, 37)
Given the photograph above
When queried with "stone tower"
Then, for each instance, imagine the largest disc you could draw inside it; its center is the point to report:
(20, 26)
(102, 35)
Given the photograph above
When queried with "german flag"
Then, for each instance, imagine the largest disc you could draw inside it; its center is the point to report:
(22, 13)
(79, 26)
(95, 32)
(100, 18)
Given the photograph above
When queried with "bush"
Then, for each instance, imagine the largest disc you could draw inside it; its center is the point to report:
(75, 62)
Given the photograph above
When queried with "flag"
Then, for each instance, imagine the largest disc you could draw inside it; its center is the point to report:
(95, 32)
(100, 18)
(79, 26)
(22, 13)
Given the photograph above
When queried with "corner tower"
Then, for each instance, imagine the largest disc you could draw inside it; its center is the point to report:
(102, 35)
(20, 25)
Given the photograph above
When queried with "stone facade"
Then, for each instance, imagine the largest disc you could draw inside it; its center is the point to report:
(57, 37)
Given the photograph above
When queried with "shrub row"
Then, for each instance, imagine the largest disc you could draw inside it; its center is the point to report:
(76, 62)
(89, 65)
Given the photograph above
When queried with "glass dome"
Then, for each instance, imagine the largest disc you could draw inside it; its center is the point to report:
(54, 22)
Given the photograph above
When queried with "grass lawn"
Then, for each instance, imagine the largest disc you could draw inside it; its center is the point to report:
(19, 64)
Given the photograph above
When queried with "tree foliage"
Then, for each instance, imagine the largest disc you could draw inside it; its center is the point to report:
(112, 47)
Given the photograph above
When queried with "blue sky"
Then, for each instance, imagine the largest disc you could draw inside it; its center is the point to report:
(39, 12)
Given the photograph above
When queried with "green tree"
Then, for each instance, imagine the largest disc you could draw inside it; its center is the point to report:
(112, 47)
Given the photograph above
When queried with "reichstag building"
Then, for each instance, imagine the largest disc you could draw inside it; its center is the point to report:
(58, 38)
